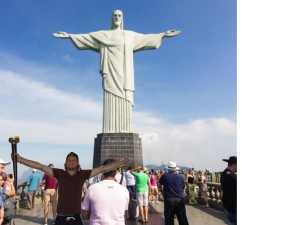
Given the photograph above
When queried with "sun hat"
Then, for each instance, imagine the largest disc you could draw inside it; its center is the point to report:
(232, 159)
(172, 166)
(145, 169)
(4, 162)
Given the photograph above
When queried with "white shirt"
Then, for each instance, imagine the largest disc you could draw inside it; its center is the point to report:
(118, 179)
(107, 202)
(130, 179)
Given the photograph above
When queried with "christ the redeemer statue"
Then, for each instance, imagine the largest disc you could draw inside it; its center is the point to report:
(116, 47)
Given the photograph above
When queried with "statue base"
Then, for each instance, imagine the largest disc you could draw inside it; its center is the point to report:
(117, 146)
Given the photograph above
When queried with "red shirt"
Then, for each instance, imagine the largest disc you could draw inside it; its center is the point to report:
(50, 182)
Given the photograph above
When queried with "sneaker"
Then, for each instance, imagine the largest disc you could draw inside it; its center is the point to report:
(152, 202)
(157, 202)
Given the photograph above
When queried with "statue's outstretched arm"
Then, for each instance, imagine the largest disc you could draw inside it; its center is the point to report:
(172, 33)
(61, 34)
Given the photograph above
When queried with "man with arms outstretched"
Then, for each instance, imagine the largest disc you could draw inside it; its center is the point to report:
(70, 182)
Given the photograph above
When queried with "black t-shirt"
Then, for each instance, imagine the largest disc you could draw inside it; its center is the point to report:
(229, 187)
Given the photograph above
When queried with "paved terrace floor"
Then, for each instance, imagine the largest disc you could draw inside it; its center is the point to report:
(197, 215)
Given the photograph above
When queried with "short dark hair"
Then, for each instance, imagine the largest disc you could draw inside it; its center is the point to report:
(73, 154)
(109, 173)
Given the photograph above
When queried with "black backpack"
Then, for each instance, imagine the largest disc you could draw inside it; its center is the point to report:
(10, 208)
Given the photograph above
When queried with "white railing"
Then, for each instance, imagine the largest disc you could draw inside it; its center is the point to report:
(214, 196)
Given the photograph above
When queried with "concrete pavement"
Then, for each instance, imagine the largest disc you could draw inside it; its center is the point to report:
(196, 214)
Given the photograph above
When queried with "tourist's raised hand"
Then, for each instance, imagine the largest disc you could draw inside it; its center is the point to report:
(124, 161)
(18, 157)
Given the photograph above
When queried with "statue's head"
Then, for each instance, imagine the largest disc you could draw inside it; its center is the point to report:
(117, 20)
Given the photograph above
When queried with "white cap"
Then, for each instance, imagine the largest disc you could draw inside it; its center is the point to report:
(33, 170)
(4, 162)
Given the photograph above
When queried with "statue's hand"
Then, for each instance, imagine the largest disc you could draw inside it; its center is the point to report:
(61, 34)
(171, 33)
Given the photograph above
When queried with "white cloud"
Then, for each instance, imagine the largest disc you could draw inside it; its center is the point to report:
(201, 143)
(32, 100)
(40, 113)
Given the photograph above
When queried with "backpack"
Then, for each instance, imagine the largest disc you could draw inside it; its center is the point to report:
(9, 208)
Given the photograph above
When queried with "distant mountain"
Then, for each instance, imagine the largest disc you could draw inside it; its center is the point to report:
(164, 166)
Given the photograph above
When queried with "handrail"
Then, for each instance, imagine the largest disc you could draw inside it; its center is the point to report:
(214, 196)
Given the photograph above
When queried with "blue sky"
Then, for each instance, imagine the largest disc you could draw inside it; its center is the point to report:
(185, 98)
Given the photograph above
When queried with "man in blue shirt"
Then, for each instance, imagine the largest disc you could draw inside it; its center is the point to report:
(33, 184)
(173, 191)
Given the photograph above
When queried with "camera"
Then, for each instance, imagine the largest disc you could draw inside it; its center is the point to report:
(10, 176)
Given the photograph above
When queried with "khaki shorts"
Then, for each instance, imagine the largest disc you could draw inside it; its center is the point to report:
(50, 195)
(142, 198)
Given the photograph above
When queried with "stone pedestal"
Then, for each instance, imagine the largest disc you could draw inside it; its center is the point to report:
(117, 146)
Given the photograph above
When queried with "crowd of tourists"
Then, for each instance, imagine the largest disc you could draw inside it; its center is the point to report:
(109, 194)
(7, 194)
